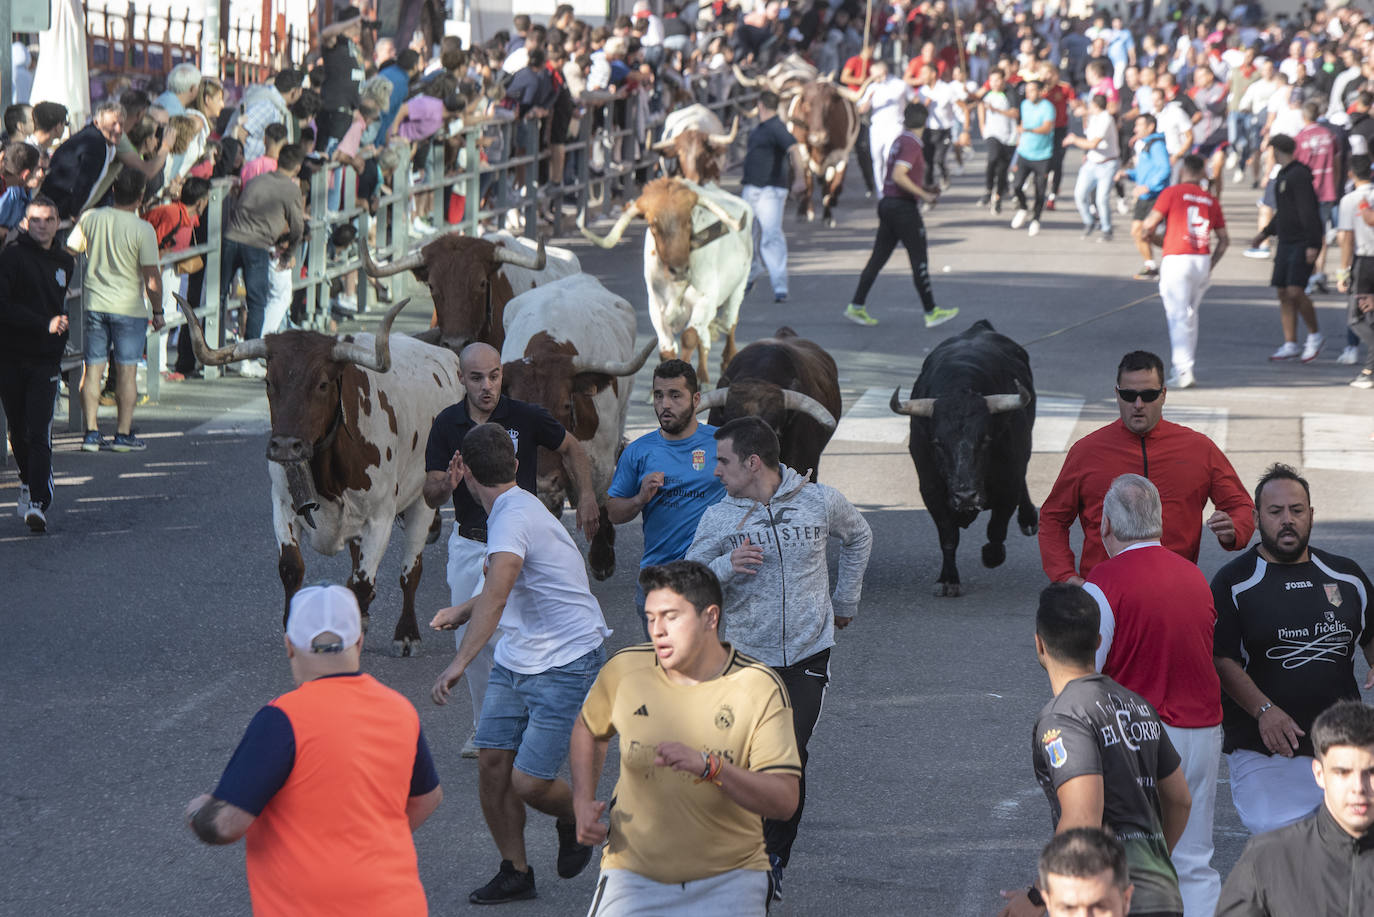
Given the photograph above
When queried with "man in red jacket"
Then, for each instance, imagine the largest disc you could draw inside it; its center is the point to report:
(1185, 465)
(1157, 623)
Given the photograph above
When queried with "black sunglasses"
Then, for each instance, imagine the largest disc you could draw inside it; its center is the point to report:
(1147, 395)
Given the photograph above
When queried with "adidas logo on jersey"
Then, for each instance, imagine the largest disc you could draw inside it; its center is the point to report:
(642, 711)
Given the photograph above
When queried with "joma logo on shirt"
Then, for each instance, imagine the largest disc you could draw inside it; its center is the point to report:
(1298, 584)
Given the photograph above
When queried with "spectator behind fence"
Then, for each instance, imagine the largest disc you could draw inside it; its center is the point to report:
(269, 215)
(268, 103)
(18, 122)
(182, 84)
(21, 172)
(121, 272)
(274, 138)
(343, 75)
(34, 275)
(79, 165)
(175, 225)
(399, 73)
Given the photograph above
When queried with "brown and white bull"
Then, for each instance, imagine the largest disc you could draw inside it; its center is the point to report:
(789, 382)
(697, 255)
(472, 279)
(350, 419)
(570, 346)
(825, 121)
(695, 138)
(786, 76)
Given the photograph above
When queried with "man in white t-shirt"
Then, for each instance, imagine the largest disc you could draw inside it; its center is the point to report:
(1357, 266)
(1177, 127)
(940, 97)
(1101, 148)
(883, 100)
(549, 653)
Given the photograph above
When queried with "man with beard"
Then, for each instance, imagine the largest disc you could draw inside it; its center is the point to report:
(1281, 607)
(668, 474)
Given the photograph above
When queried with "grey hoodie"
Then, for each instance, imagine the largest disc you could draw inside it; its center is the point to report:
(783, 613)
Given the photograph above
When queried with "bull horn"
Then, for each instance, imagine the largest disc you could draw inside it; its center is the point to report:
(1000, 404)
(255, 349)
(847, 93)
(796, 401)
(715, 398)
(727, 139)
(378, 359)
(618, 230)
(408, 263)
(720, 212)
(535, 262)
(916, 407)
(664, 146)
(623, 368)
(748, 82)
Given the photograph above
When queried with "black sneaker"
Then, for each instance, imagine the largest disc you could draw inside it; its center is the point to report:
(984, 200)
(572, 856)
(506, 885)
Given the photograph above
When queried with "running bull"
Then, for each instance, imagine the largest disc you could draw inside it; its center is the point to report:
(697, 254)
(789, 382)
(472, 279)
(695, 138)
(570, 346)
(972, 409)
(350, 419)
(825, 122)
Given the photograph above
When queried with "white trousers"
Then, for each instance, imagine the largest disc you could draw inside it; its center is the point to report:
(1270, 791)
(465, 578)
(622, 893)
(171, 285)
(278, 298)
(880, 140)
(770, 245)
(1198, 882)
(1182, 281)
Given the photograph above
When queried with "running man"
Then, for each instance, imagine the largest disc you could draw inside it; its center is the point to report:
(706, 747)
(1191, 216)
(899, 220)
(1033, 155)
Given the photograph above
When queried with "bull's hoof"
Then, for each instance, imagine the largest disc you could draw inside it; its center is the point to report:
(947, 590)
(994, 554)
(1031, 529)
(405, 646)
(365, 618)
(830, 221)
(435, 529)
(603, 573)
(1029, 523)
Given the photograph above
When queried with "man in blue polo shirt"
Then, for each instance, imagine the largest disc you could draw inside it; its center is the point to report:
(669, 474)
(1033, 153)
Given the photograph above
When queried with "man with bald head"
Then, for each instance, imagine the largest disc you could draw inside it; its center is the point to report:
(530, 427)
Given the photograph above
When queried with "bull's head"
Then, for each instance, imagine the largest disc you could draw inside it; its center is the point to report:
(667, 205)
(698, 153)
(766, 400)
(959, 432)
(304, 370)
(464, 276)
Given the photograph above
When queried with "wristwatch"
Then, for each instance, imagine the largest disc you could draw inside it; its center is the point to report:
(1260, 712)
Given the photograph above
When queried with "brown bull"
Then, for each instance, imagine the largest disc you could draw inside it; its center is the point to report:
(699, 152)
(471, 281)
(825, 122)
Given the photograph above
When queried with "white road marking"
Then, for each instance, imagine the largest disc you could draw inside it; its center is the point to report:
(1055, 419)
(248, 419)
(870, 420)
(1337, 442)
(1212, 422)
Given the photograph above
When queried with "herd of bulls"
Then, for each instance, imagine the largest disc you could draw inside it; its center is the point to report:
(350, 415)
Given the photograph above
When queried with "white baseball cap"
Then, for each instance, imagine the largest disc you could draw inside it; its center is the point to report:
(323, 609)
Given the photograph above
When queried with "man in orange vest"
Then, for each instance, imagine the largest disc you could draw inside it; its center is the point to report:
(336, 771)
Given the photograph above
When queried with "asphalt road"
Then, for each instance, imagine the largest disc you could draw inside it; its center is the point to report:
(143, 631)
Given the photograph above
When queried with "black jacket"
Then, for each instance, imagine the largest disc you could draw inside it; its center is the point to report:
(1311, 867)
(33, 289)
(76, 167)
(1297, 219)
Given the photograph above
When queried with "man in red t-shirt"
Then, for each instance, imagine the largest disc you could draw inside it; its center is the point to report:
(1157, 627)
(1191, 216)
(1061, 96)
(1319, 151)
(854, 75)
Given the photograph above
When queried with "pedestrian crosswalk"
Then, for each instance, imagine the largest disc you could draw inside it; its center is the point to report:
(1336, 442)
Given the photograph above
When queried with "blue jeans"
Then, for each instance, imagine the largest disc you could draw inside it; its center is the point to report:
(1094, 184)
(1238, 133)
(256, 283)
(533, 715)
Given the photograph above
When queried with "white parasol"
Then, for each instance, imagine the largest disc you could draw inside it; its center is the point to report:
(62, 75)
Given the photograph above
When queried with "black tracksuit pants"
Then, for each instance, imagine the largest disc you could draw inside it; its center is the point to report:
(806, 682)
(999, 163)
(28, 391)
(862, 151)
(899, 220)
(1038, 171)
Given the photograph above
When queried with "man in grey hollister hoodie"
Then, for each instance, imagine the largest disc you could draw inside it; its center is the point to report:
(766, 543)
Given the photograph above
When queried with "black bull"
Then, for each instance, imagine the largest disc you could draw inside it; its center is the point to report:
(972, 410)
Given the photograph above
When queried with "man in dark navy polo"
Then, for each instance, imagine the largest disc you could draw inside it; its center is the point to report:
(530, 427)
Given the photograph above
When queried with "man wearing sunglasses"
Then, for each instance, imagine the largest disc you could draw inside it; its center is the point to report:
(1186, 467)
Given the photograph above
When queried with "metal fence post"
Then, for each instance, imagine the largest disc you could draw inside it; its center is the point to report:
(472, 185)
(317, 253)
(214, 270)
(532, 136)
(400, 208)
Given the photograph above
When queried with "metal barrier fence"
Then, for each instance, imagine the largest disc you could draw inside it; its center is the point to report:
(620, 152)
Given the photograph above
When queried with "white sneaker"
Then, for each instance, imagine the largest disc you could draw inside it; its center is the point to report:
(23, 506)
(1122, 207)
(1237, 176)
(1232, 158)
(346, 302)
(1182, 379)
(1019, 219)
(1349, 356)
(1288, 351)
(470, 746)
(420, 227)
(1034, 228)
(34, 518)
(1312, 347)
(1363, 380)
(253, 369)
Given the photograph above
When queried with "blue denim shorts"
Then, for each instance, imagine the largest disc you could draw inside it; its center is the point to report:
(533, 715)
(128, 335)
